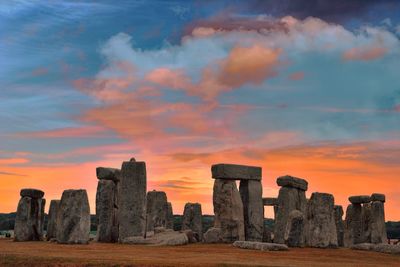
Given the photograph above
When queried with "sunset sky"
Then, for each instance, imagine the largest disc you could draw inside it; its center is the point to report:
(307, 88)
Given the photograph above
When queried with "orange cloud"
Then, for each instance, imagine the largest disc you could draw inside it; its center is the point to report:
(296, 76)
(364, 53)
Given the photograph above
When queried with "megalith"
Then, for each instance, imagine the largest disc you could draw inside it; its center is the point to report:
(378, 227)
(52, 219)
(291, 197)
(250, 199)
(354, 225)
(170, 216)
(106, 211)
(156, 210)
(73, 218)
(253, 209)
(320, 221)
(339, 225)
(294, 233)
(29, 219)
(132, 199)
(192, 219)
(228, 210)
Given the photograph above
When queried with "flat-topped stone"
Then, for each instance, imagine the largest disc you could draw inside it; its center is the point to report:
(235, 172)
(378, 197)
(359, 199)
(260, 246)
(31, 192)
(103, 173)
(270, 201)
(290, 181)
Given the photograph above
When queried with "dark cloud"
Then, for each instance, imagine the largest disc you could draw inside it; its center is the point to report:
(12, 174)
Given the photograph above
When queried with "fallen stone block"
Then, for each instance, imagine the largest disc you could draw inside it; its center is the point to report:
(260, 246)
(386, 248)
(166, 238)
(363, 246)
(235, 172)
(213, 235)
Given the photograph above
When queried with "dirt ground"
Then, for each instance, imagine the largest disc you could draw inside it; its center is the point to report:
(97, 254)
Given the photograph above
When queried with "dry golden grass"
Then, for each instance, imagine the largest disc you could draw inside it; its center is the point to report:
(97, 254)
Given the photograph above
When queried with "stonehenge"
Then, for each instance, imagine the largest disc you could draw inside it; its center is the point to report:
(52, 220)
(192, 219)
(127, 213)
(73, 218)
(291, 197)
(29, 219)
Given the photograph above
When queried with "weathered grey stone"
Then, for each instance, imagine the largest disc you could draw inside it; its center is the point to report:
(378, 197)
(235, 172)
(228, 210)
(359, 199)
(353, 225)
(320, 226)
(270, 201)
(132, 199)
(29, 219)
(213, 235)
(253, 209)
(294, 234)
(165, 238)
(386, 248)
(156, 210)
(290, 181)
(363, 246)
(192, 219)
(289, 199)
(267, 235)
(192, 236)
(104, 173)
(339, 225)
(170, 216)
(52, 220)
(366, 219)
(378, 226)
(260, 246)
(73, 218)
(107, 221)
(33, 193)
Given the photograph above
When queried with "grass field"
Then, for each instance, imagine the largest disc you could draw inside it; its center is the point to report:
(96, 254)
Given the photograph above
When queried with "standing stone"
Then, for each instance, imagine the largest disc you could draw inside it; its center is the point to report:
(353, 225)
(366, 220)
(294, 234)
(52, 220)
(30, 216)
(156, 209)
(132, 200)
(192, 219)
(339, 225)
(378, 227)
(267, 235)
(321, 227)
(291, 197)
(228, 210)
(170, 216)
(107, 225)
(73, 218)
(253, 209)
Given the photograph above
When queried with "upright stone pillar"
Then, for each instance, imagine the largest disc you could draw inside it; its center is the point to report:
(157, 210)
(294, 234)
(253, 209)
(354, 225)
(339, 225)
(73, 218)
(234, 216)
(320, 224)
(170, 216)
(378, 227)
(52, 220)
(30, 216)
(132, 200)
(192, 219)
(291, 197)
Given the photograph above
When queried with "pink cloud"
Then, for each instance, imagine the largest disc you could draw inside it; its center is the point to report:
(364, 53)
(40, 71)
(296, 76)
